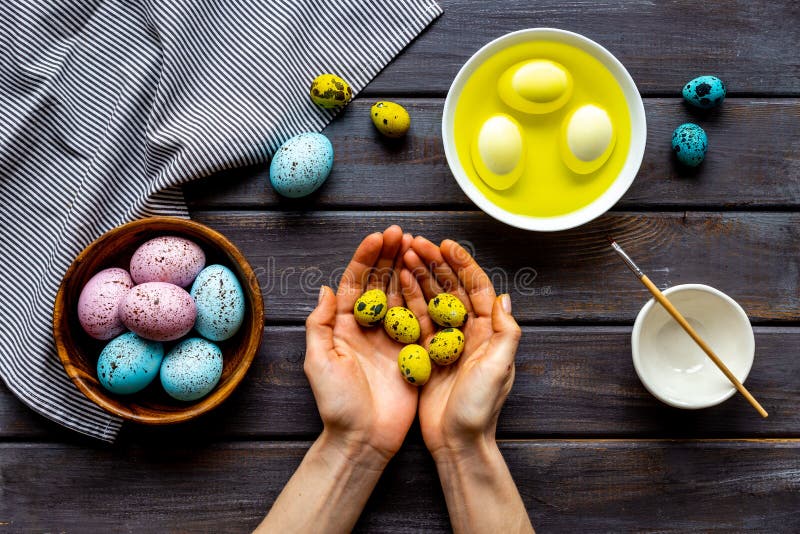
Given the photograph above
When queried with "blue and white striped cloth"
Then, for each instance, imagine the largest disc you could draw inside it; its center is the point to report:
(107, 106)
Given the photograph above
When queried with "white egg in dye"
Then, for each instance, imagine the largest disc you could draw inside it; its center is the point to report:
(587, 139)
(498, 152)
(537, 86)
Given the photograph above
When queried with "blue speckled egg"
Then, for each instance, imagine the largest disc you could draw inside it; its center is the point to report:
(191, 369)
(301, 165)
(129, 363)
(220, 303)
(689, 142)
(704, 92)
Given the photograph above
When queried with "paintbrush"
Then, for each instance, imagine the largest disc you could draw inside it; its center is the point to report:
(659, 296)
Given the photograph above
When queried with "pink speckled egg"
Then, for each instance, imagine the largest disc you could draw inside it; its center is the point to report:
(97, 304)
(170, 259)
(158, 311)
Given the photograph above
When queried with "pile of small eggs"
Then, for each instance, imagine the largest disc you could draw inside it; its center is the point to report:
(140, 309)
(303, 163)
(414, 362)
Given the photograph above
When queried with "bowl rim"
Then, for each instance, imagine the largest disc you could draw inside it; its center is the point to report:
(636, 341)
(219, 394)
(621, 183)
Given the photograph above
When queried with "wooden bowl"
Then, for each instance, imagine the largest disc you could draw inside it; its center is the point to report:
(79, 352)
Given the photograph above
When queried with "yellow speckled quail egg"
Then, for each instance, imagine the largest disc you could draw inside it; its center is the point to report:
(390, 119)
(498, 151)
(537, 86)
(370, 308)
(447, 310)
(587, 139)
(414, 364)
(330, 91)
(401, 324)
(446, 346)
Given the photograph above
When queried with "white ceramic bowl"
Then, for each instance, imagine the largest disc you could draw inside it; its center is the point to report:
(617, 188)
(671, 365)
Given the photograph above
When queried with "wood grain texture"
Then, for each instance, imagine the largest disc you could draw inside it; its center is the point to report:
(570, 382)
(565, 276)
(750, 45)
(567, 486)
(752, 162)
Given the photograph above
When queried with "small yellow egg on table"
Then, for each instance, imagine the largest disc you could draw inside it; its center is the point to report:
(401, 324)
(370, 308)
(414, 364)
(447, 310)
(446, 346)
(390, 119)
(330, 91)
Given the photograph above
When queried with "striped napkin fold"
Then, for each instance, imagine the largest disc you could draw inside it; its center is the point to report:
(107, 106)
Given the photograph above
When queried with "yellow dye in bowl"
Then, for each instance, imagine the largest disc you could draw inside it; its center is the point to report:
(547, 187)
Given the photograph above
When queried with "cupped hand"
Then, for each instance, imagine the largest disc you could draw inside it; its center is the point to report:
(460, 404)
(361, 397)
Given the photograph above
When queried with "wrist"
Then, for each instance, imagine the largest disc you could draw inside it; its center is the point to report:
(481, 450)
(352, 452)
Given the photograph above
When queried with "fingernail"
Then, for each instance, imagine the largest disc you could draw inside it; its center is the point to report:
(505, 302)
(321, 294)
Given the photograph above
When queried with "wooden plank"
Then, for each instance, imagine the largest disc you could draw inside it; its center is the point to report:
(751, 163)
(556, 277)
(751, 46)
(576, 382)
(19, 422)
(571, 382)
(605, 486)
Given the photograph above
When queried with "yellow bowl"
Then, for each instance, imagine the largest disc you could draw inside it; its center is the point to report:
(622, 181)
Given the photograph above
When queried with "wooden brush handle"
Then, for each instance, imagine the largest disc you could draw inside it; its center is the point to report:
(659, 296)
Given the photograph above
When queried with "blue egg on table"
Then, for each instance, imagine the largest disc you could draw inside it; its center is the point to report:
(301, 165)
(191, 369)
(704, 92)
(220, 303)
(128, 363)
(689, 143)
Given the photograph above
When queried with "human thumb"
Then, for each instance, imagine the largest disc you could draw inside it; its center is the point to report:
(505, 339)
(319, 324)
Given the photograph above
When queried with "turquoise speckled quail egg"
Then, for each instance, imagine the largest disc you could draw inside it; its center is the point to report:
(704, 92)
(301, 165)
(690, 143)
(191, 369)
(220, 303)
(129, 363)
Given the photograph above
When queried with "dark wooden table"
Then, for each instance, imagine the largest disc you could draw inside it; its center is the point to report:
(590, 449)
